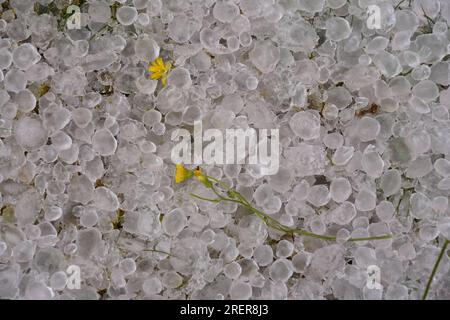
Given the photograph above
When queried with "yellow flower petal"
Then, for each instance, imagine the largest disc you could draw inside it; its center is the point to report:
(181, 173)
(159, 70)
(154, 68)
(159, 62)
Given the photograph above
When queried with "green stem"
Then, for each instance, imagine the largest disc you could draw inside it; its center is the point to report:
(435, 268)
(405, 73)
(313, 235)
(399, 4)
(300, 232)
(268, 220)
(100, 31)
(203, 198)
(158, 251)
(383, 237)
(223, 184)
(224, 198)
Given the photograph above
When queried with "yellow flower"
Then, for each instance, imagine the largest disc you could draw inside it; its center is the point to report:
(159, 70)
(182, 174)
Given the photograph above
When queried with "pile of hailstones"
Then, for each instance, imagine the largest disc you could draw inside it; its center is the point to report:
(358, 90)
